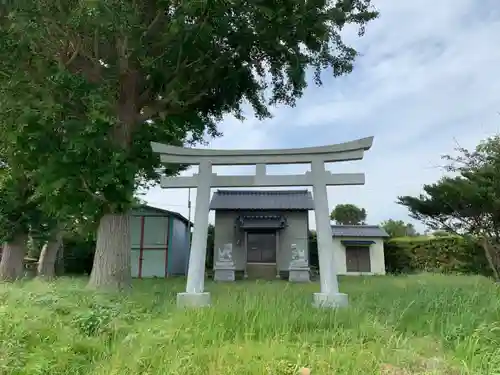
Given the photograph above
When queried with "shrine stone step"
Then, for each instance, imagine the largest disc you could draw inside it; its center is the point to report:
(261, 271)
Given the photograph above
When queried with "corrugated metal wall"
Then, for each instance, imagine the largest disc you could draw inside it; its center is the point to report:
(159, 244)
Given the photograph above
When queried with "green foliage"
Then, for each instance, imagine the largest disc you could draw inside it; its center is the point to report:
(95, 321)
(454, 203)
(445, 254)
(78, 255)
(67, 161)
(20, 211)
(90, 84)
(419, 324)
(398, 228)
(15, 215)
(469, 202)
(348, 214)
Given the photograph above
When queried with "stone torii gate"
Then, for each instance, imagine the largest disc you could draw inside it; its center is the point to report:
(318, 178)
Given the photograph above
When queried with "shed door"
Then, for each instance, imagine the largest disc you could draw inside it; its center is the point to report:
(154, 255)
(261, 247)
(149, 246)
(153, 263)
(358, 259)
(155, 232)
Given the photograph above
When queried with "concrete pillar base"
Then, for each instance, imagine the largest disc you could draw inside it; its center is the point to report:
(193, 299)
(224, 272)
(298, 275)
(334, 300)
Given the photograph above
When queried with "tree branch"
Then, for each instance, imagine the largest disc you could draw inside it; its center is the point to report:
(155, 24)
(87, 189)
(170, 105)
(74, 54)
(165, 105)
(150, 106)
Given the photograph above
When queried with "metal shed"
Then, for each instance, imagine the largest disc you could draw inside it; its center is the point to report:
(160, 242)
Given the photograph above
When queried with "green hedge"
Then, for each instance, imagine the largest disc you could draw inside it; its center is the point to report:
(450, 254)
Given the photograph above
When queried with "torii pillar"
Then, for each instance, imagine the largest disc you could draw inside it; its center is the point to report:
(318, 178)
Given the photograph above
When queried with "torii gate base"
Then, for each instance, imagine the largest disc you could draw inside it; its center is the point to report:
(318, 178)
(186, 299)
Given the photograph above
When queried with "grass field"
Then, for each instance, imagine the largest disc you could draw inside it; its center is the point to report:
(427, 324)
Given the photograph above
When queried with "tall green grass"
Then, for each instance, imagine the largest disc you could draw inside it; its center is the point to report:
(428, 324)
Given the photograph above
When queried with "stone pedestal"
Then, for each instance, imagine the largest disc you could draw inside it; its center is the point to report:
(333, 300)
(224, 271)
(193, 299)
(298, 272)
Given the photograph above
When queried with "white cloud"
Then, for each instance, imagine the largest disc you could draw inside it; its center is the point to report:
(427, 78)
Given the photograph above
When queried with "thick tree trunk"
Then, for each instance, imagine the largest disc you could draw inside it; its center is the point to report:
(12, 262)
(47, 261)
(111, 269)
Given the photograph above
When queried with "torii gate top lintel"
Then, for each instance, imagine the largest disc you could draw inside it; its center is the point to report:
(352, 150)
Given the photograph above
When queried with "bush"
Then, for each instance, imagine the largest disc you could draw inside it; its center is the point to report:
(78, 255)
(446, 254)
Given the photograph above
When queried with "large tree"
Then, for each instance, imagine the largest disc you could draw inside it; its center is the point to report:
(15, 216)
(467, 203)
(21, 217)
(348, 214)
(24, 210)
(182, 65)
(19, 210)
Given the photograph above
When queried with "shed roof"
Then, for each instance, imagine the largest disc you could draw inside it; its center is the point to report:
(166, 212)
(358, 231)
(262, 200)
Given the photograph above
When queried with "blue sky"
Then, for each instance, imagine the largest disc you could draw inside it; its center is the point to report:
(427, 80)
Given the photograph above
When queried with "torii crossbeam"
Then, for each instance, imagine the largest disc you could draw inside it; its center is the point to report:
(318, 178)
